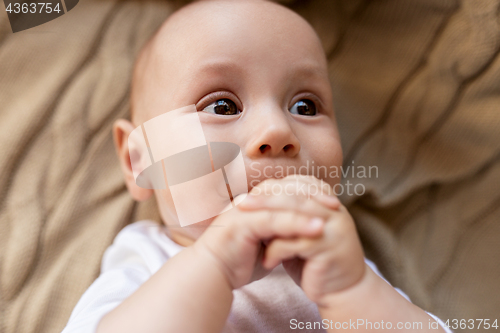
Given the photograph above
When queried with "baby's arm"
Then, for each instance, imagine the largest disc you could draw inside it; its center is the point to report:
(331, 269)
(372, 300)
(180, 297)
(192, 291)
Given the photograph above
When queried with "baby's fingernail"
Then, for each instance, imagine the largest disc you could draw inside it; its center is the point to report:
(315, 223)
(333, 199)
(330, 200)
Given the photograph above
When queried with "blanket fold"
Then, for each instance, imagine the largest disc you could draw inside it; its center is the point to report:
(416, 87)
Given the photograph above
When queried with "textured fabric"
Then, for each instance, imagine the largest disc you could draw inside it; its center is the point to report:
(416, 87)
(272, 304)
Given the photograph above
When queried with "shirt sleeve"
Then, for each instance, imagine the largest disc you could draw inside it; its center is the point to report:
(106, 293)
(375, 269)
(122, 272)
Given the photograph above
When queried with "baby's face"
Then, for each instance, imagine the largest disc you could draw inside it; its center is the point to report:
(258, 77)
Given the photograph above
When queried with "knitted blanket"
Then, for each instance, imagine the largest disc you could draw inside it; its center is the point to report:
(416, 87)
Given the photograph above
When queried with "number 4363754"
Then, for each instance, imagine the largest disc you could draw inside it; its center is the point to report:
(25, 8)
(472, 323)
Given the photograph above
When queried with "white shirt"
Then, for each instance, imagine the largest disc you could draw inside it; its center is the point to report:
(272, 304)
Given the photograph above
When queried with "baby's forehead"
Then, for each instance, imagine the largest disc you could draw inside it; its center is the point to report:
(211, 37)
(221, 27)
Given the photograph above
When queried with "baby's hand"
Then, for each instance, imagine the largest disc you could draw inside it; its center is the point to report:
(234, 240)
(322, 264)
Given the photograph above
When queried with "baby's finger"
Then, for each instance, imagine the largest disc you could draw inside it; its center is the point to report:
(298, 203)
(317, 186)
(309, 179)
(271, 224)
(283, 249)
(298, 185)
(330, 201)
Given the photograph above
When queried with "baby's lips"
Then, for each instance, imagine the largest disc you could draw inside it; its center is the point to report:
(236, 200)
(246, 200)
(239, 198)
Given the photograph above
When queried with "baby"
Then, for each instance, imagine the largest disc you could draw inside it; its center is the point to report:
(276, 262)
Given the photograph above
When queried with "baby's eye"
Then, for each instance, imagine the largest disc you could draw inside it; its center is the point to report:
(223, 106)
(304, 107)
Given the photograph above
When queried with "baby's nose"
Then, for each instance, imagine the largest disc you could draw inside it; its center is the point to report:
(274, 137)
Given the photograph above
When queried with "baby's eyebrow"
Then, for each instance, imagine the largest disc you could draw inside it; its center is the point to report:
(221, 66)
(307, 69)
(304, 69)
(231, 71)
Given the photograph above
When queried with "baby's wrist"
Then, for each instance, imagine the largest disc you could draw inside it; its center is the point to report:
(209, 259)
(339, 297)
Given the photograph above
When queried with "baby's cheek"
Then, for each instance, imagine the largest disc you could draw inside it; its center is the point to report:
(166, 206)
(336, 163)
(328, 162)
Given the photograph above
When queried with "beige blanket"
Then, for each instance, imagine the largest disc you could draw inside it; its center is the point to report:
(417, 92)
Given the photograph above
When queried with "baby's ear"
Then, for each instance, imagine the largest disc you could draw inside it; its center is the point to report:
(121, 131)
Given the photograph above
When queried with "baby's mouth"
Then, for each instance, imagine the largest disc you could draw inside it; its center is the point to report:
(238, 197)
